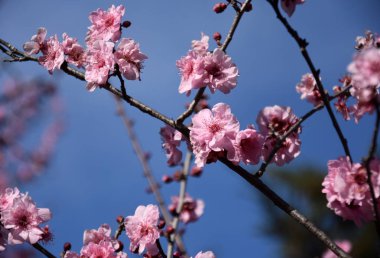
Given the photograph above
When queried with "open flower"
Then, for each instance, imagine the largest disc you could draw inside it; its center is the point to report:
(214, 132)
(141, 228)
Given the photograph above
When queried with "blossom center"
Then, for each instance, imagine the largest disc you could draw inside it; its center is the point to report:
(214, 128)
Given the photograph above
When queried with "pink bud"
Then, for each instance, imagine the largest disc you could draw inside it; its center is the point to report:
(219, 7)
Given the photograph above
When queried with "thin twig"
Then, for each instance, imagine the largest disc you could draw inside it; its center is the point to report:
(42, 250)
(147, 170)
(292, 129)
(198, 96)
(181, 200)
(159, 246)
(302, 43)
(367, 165)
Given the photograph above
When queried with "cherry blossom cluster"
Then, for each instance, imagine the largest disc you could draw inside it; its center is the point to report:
(216, 133)
(21, 219)
(201, 68)
(98, 243)
(101, 59)
(364, 76)
(21, 104)
(347, 191)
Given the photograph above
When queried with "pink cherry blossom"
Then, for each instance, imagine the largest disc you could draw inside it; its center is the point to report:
(207, 254)
(347, 191)
(191, 209)
(22, 220)
(250, 143)
(129, 58)
(192, 72)
(141, 228)
(289, 6)
(309, 90)
(214, 131)
(274, 122)
(53, 55)
(365, 69)
(74, 52)
(201, 46)
(7, 196)
(95, 236)
(103, 249)
(171, 140)
(100, 61)
(344, 244)
(37, 42)
(220, 72)
(105, 24)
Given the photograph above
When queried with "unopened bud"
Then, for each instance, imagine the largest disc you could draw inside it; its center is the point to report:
(217, 36)
(161, 224)
(196, 171)
(120, 219)
(67, 246)
(219, 7)
(167, 179)
(177, 254)
(248, 7)
(169, 230)
(126, 24)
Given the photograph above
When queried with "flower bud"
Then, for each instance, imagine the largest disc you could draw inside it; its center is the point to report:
(217, 36)
(219, 7)
(248, 7)
(126, 24)
(67, 246)
(120, 219)
(167, 179)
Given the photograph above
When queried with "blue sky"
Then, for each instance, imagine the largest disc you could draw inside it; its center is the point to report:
(95, 175)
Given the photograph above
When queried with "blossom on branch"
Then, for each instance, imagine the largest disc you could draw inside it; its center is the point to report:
(21, 218)
(213, 132)
(347, 190)
(207, 254)
(273, 123)
(309, 90)
(99, 63)
(53, 55)
(74, 52)
(191, 209)
(250, 142)
(37, 41)
(141, 228)
(171, 140)
(105, 25)
(129, 58)
(200, 68)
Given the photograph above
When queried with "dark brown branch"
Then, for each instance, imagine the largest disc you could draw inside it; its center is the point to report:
(367, 165)
(42, 250)
(302, 43)
(292, 129)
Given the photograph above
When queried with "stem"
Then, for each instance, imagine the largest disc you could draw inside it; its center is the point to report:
(42, 250)
(367, 163)
(181, 200)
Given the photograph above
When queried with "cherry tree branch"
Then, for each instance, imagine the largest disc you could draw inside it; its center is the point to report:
(250, 178)
(367, 165)
(147, 170)
(42, 250)
(227, 41)
(292, 129)
(302, 43)
(181, 199)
